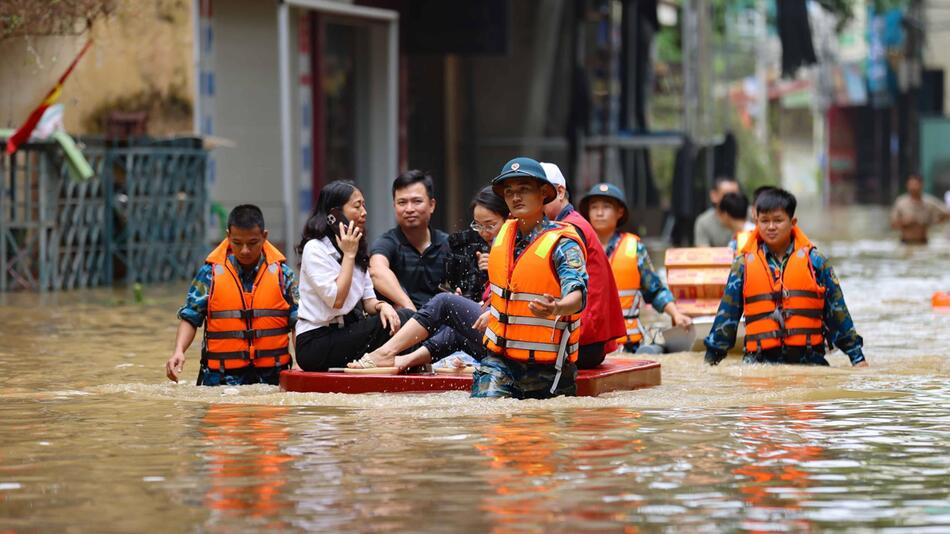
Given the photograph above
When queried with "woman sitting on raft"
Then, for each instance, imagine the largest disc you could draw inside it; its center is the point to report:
(339, 317)
(448, 317)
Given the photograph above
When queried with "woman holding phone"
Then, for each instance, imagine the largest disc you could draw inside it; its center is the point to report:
(339, 316)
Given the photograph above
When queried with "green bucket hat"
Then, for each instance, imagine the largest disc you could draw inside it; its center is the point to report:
(522, 167)
(607, 191)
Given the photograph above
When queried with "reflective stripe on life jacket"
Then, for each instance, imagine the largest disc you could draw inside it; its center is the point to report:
(623, 262)
(513, 331)
(242, 328)
(782, 309)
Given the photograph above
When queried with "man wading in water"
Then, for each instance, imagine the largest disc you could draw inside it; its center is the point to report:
(791, 298)
(915, 212)
(538, 280)
(246, 297)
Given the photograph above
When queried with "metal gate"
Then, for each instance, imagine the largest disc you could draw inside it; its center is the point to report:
(141, 218)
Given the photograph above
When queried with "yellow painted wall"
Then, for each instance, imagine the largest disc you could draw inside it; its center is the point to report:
(143, 47)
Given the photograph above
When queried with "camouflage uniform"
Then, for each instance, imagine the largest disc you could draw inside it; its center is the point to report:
(496, 376)
(839, 327)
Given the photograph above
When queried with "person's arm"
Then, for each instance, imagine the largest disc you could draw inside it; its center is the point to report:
(191, 316)
(387, 314)
(896, 221)
(343, 281)
(291, 292)
(552, 307)
(349, 243)
(386, 283)
(482, 258)
(571, 269)
(840, 327)
(677, 317)
(176, 364)
(722, 335)
(941, 213)
(373, 306)
(654, 291)
(292, 296)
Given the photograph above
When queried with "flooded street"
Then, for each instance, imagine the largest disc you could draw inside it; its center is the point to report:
(94, 438)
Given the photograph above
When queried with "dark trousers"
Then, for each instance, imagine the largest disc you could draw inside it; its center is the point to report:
(332, 346)
(449, 318)
(787, 355)
(240, 377)
(590, 356)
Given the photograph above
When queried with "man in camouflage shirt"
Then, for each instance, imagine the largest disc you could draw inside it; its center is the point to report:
(775, 220)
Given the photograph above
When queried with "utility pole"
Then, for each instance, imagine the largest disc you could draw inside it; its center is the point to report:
(913, 59)
(762, 72)
(691, 67)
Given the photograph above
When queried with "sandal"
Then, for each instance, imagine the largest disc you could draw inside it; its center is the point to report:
(365, 362)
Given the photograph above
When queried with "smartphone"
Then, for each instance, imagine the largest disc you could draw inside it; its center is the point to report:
(334, 218)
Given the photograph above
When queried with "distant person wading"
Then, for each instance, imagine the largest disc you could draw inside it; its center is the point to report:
(915, 212)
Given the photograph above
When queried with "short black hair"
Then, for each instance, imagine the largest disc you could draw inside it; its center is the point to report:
(776, 199)
(414, 176)
(246, 217)
(761, 189)
(735, 205)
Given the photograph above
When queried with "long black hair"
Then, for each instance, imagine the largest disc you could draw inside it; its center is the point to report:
(333, 195)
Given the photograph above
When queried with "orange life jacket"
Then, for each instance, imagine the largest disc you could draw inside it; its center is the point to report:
(742, 240)
(782, 309)
(513, 331)
(242, 328)
(623, 263)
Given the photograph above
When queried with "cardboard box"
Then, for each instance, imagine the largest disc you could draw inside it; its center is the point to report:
(699, 257)
(697, 307)
(704, 283)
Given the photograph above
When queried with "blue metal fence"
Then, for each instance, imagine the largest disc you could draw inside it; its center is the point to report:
(141, 218)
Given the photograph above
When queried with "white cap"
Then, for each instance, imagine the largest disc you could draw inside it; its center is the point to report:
(553, 172)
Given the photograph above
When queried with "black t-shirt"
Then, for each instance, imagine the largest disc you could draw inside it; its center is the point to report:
(419, 274)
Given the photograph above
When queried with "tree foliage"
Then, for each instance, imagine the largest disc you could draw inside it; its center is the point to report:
(20, 18)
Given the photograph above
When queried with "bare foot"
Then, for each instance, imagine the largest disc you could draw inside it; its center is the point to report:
(457, 363)
(411, 360)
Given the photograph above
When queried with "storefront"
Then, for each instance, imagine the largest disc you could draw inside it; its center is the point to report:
(307, 92)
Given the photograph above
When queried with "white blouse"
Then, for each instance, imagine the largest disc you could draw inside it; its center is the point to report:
(319, 269)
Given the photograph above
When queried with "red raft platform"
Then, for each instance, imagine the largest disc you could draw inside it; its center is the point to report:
(615, 374)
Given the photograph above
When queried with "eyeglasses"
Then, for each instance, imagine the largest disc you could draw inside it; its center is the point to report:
(482, 228)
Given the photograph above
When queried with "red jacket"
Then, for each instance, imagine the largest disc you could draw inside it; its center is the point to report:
(602, 319)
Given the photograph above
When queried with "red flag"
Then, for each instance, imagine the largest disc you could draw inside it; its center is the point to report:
(23, 133)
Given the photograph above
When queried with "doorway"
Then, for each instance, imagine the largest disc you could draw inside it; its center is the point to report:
(354, 108)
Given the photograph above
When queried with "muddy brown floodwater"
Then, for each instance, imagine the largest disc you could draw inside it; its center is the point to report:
(94, 438)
